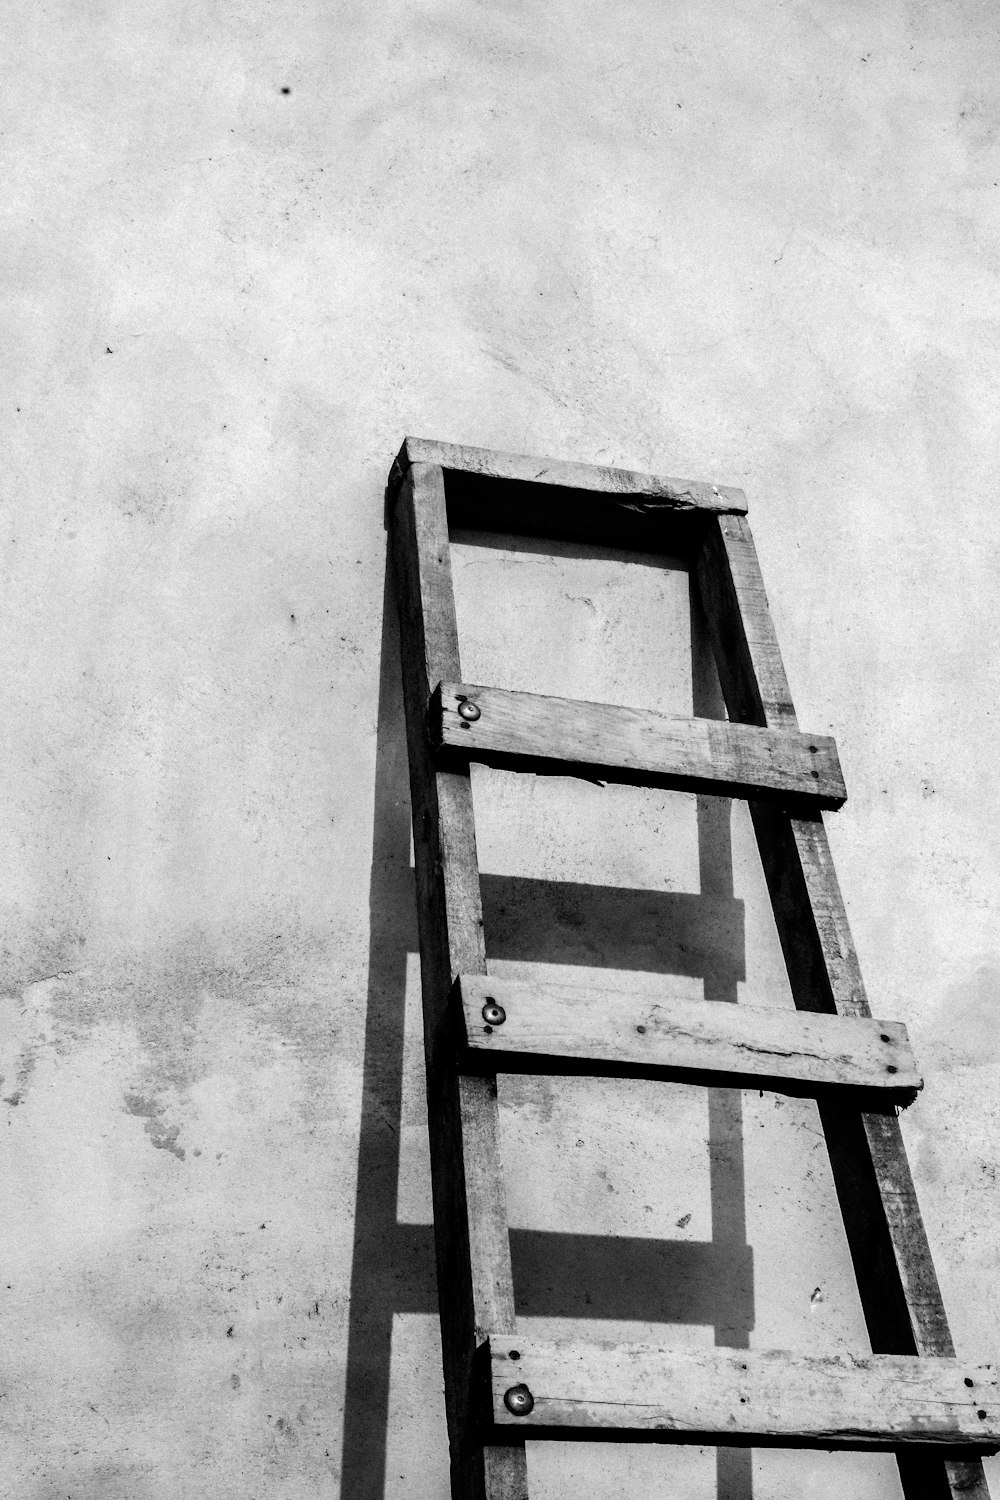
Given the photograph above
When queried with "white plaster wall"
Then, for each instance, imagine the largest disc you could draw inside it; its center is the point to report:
(755, 242)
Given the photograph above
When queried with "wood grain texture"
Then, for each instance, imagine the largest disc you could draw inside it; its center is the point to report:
(635, 745)
(582, 1389)
(746, 648)
(897, 1281)
(470, 1220)
(660, 492)
(565, 1028)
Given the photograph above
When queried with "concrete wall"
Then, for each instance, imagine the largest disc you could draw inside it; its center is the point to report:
(251, 244)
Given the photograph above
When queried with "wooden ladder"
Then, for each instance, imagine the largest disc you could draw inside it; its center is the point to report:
(938, 1414)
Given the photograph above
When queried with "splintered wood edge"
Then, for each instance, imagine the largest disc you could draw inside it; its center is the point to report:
(655, 490)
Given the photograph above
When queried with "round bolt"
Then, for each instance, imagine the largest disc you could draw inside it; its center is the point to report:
(518, 1400)
(469, 710)
(891, 1068)
(883, 1036)
(494, 1014)
(968, 1381)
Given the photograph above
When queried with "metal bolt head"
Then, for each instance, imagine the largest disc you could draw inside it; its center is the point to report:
(518, 1400)
(469, 711)
(494, 1014)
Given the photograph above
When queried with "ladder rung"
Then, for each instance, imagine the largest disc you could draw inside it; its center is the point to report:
(565, 736)
(571, 1389)
(564, 1028)
(648, 492)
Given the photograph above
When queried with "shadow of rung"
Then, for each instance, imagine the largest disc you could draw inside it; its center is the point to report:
(601, 1276)
(659, 932)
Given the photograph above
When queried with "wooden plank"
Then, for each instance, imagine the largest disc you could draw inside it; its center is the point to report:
(897, 1282)
(658, 492)
(746, 648)
(542, 1027)
(638, 746)
(470, 1220)
(564, 1388)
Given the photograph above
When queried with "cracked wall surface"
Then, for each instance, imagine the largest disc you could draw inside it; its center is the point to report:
(250, 245)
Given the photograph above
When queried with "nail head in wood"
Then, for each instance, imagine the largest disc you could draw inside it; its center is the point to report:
(519, 1401)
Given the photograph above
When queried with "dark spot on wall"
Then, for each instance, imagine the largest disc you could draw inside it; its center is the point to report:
(162, 1137)
(146, 501)
(25, 1069)
(137, 1105)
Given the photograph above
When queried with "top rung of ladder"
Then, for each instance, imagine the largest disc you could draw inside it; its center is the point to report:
(747, 757)
(648, 493)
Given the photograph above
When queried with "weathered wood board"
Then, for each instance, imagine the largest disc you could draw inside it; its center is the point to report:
(575, 1389)
(634, 745)
(470, 1218)
(676, 494)
(564, 1028)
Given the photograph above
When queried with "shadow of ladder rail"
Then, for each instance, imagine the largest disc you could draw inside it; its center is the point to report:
(555, 1275)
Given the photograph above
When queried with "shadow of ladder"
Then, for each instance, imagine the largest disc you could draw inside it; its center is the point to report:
(572, 1276)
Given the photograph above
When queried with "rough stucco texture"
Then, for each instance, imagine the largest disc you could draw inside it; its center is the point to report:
(249, 244)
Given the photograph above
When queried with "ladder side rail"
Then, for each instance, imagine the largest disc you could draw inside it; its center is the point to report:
(475, 1285)
(898, 1285)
